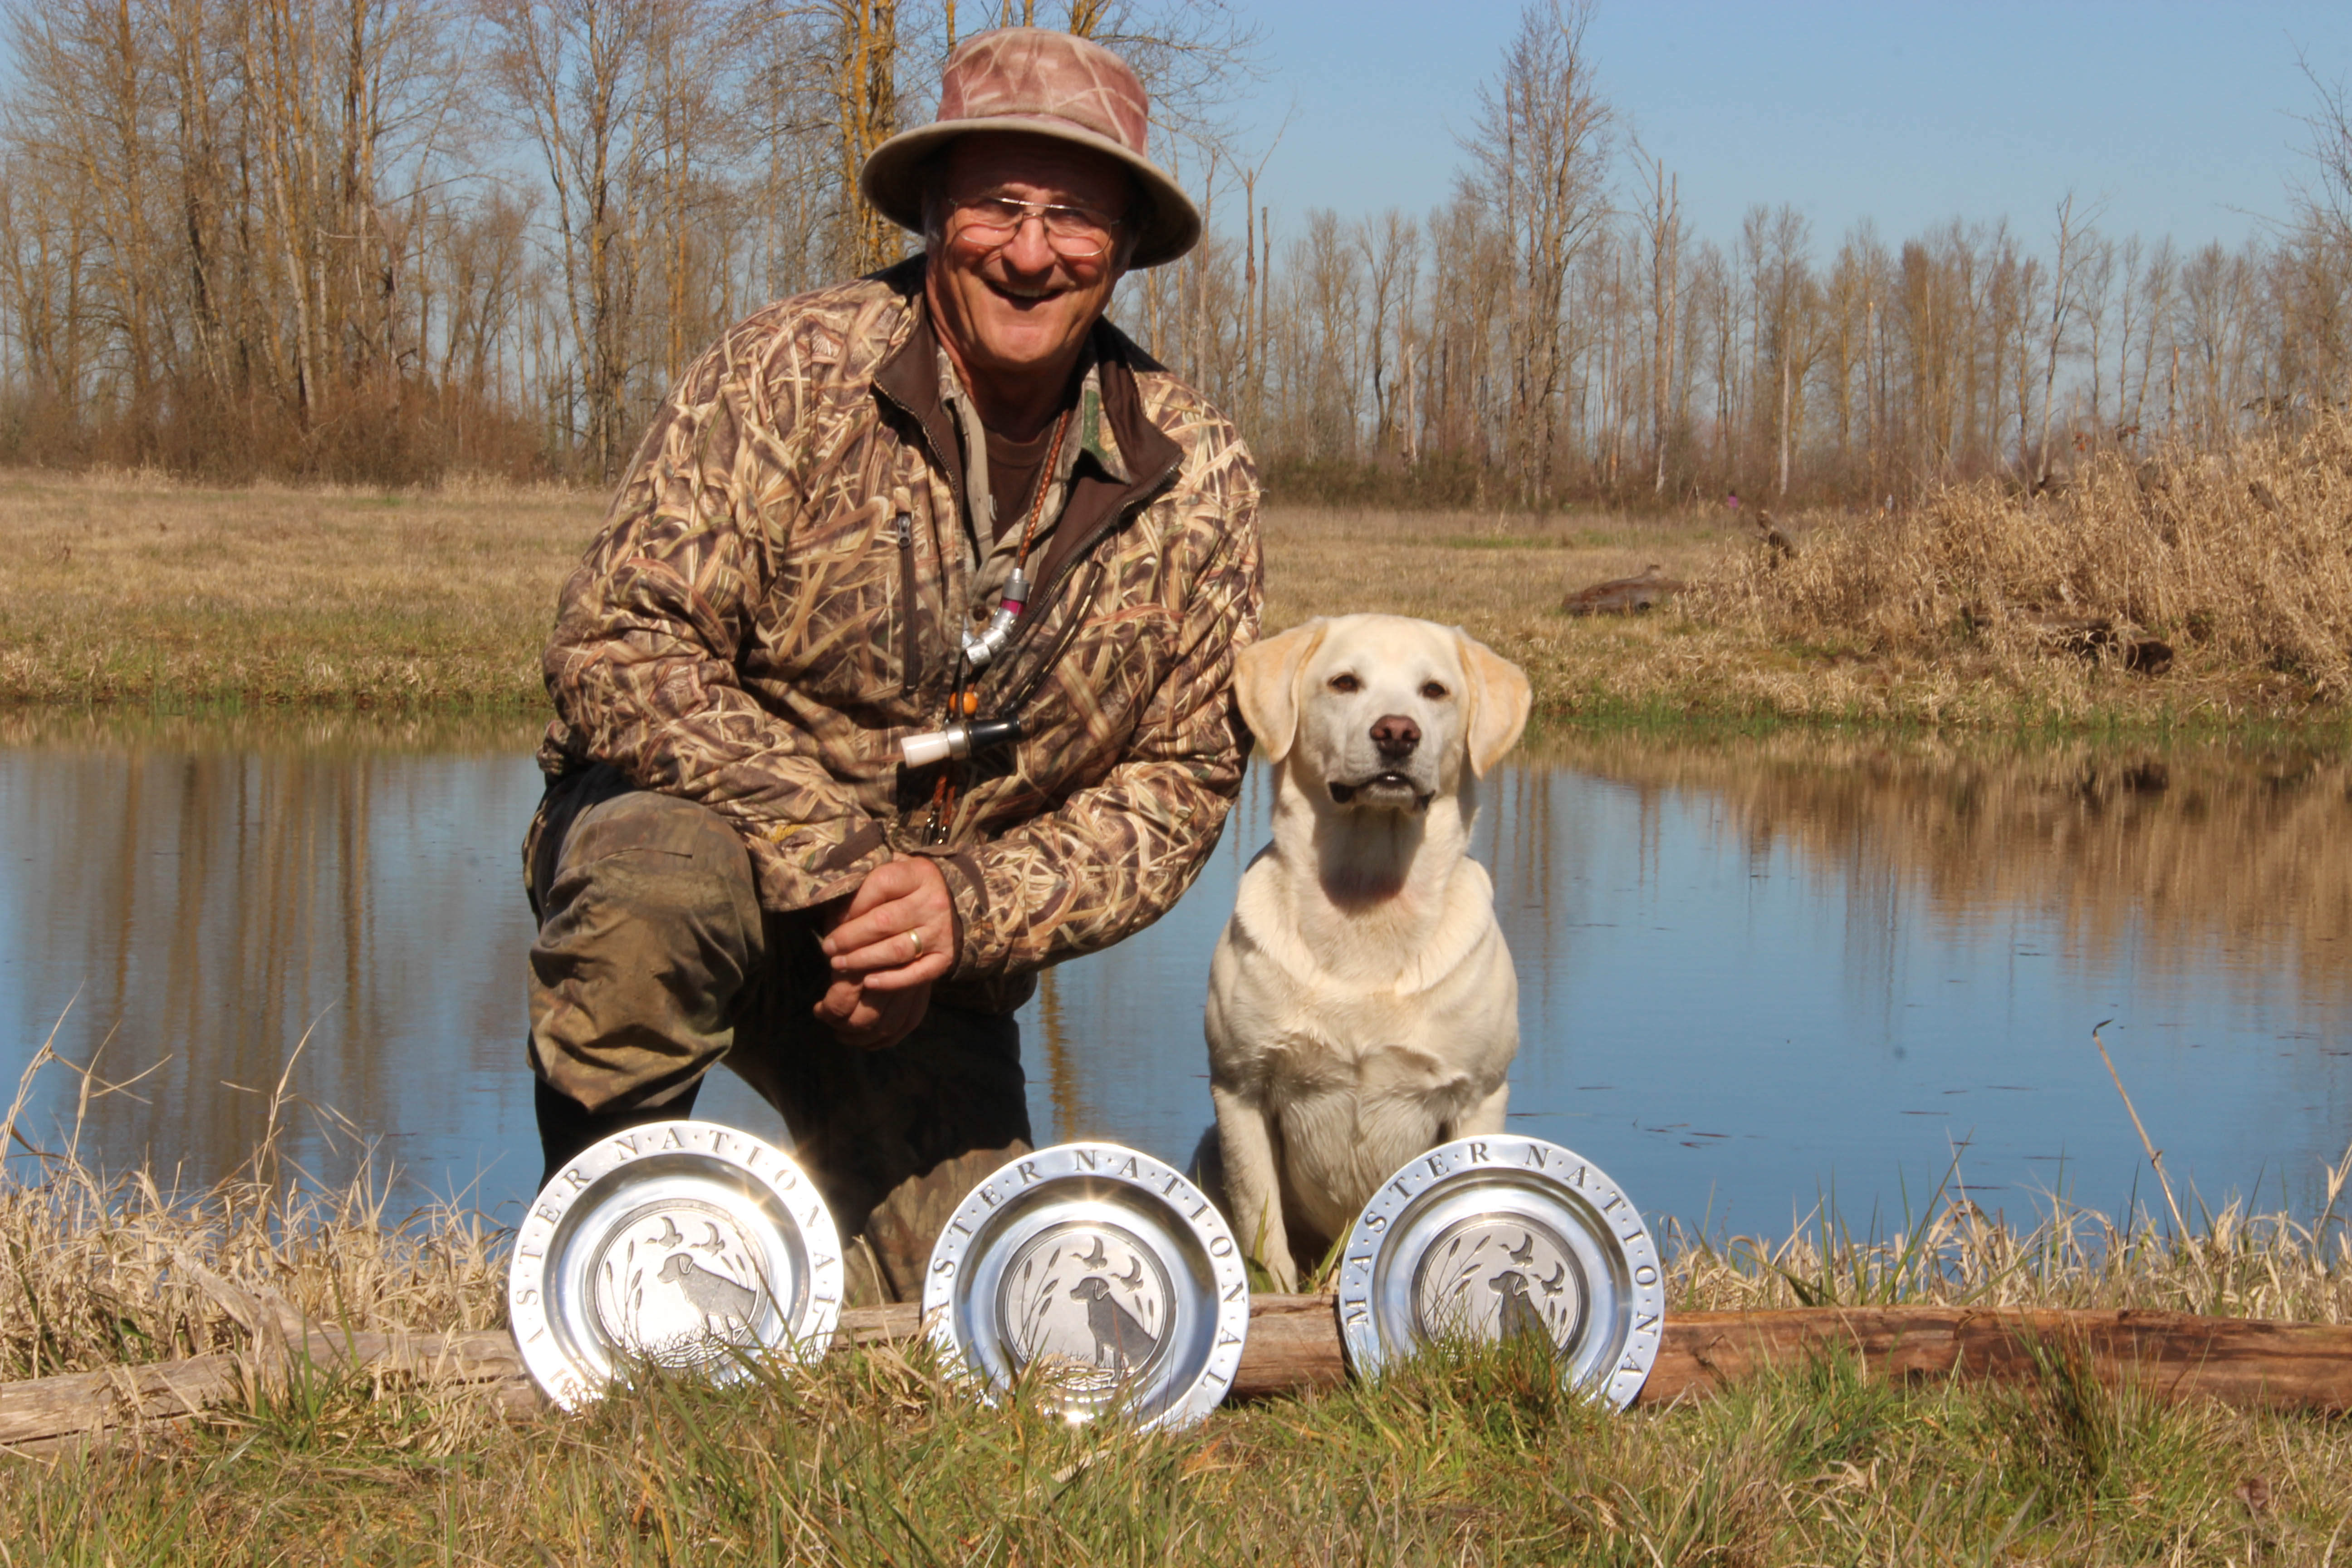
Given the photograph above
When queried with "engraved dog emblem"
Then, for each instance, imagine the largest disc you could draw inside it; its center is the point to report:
(1090, 1300)
(1115, 1328)
(1493, 1279)
(658, 1294)
(1520, 1316)
(714, 1294)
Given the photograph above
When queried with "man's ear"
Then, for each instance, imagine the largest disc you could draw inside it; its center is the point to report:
(1499, 699)
(1266, 679)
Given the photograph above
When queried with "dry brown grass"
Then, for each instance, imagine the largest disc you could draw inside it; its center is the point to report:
(113, 1270)
(132, 589)
(117, 1270)
(136, 588)
(1491, 572)
(2240, 562)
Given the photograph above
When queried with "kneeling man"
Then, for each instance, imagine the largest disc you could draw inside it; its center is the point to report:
(948, 503)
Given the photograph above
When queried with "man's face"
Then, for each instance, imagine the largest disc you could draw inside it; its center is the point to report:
(1018, 306)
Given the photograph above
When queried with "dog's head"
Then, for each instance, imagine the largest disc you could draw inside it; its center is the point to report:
(1380, 712)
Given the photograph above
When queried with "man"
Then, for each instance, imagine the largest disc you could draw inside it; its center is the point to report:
(949, 504)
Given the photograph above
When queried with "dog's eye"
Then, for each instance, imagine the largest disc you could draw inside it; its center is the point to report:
(1435, 690)
(1344, 683)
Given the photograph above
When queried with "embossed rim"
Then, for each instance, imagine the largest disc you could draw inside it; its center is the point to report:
(1508, 1176)
(1088, 1182)
(755, 1183)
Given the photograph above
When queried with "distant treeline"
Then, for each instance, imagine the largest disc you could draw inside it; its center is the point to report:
(380, 240)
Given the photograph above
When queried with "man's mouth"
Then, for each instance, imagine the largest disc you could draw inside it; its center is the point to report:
(1390, 791)
(1020, 295)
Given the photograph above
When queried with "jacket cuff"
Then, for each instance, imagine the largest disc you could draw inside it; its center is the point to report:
(967, 891)
(792, 877)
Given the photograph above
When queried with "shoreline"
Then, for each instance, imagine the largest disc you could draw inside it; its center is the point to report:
(130, 594)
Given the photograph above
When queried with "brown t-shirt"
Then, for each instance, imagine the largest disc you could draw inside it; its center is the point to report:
(1012, 468)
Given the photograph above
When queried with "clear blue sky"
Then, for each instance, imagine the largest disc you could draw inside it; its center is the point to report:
(2180, 115)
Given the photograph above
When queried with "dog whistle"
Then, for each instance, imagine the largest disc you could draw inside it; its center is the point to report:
(958, 741)
(978, 651)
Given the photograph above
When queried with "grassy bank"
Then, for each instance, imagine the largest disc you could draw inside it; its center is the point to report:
(877, 1458)
(1977, 608)
(134, 590)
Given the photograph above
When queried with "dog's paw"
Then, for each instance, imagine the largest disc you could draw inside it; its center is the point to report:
(1270, 1278)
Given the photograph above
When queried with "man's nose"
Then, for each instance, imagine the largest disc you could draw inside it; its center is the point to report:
(1396, 736)
(1028, 250)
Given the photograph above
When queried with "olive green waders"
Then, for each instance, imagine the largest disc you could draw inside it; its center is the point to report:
(655, 963)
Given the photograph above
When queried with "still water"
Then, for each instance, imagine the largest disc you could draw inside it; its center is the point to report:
(1755, 973)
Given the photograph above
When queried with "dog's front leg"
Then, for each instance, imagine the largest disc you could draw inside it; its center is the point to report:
(1253, 1183)
(1484, 1118)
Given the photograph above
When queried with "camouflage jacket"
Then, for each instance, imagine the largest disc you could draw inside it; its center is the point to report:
(777, 596)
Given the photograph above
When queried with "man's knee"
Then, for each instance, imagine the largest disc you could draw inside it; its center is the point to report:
(650, 925)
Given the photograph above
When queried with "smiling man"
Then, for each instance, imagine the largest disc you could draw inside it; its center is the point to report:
(901, 669)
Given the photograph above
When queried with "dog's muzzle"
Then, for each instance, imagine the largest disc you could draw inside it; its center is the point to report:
(1385, 792)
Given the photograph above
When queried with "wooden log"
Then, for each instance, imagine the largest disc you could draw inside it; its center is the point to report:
(2246, 1362)
(41, 1414)
(1294, 1347)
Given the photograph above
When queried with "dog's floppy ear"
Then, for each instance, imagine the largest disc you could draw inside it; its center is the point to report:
(1266, 679)
(1499, 699)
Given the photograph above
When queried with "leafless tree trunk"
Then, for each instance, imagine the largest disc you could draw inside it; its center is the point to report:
(1663, 233)
(1542, 147)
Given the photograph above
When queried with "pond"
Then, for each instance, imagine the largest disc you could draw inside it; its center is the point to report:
(1757, 973)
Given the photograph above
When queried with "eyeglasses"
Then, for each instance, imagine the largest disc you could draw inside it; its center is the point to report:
(1077, 234)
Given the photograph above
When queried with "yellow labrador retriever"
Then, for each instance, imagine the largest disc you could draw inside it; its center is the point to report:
(1361, 1003)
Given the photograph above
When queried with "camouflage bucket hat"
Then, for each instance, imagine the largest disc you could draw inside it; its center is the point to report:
(1042, 83)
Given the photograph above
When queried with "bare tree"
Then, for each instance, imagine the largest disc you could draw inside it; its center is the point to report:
(1390, 251)
(1662, 235)
(2073, 239)
(574, 73)
(1541, 152)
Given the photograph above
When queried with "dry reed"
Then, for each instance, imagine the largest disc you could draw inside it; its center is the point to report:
(114, 1269)
(119, 1269)
(2238, 561)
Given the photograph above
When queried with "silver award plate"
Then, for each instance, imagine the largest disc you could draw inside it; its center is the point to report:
(682, 1243)
(1101, 1268)
(1491, 1237)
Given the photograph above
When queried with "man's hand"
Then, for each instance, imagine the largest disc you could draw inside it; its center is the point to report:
(895, 936)
(897, 930)
(871, 1020)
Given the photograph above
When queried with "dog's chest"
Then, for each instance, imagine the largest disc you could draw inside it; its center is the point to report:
(1360, 1066)
(1342, 1135)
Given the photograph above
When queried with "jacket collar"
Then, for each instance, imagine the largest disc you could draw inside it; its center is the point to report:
(1123, 456)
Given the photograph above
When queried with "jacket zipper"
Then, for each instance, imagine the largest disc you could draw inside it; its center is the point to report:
(908, 643)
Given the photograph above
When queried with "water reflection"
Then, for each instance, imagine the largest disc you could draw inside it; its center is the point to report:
(205, 904)
(1750, 968)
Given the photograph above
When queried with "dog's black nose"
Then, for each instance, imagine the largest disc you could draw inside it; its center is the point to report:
(1396, 736)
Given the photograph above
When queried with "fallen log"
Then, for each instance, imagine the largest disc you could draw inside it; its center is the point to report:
(39, 1414)
(2247, 1362)
(1294, 1347)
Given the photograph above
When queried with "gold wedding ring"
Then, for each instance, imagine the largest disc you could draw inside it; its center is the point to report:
(916, 938)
